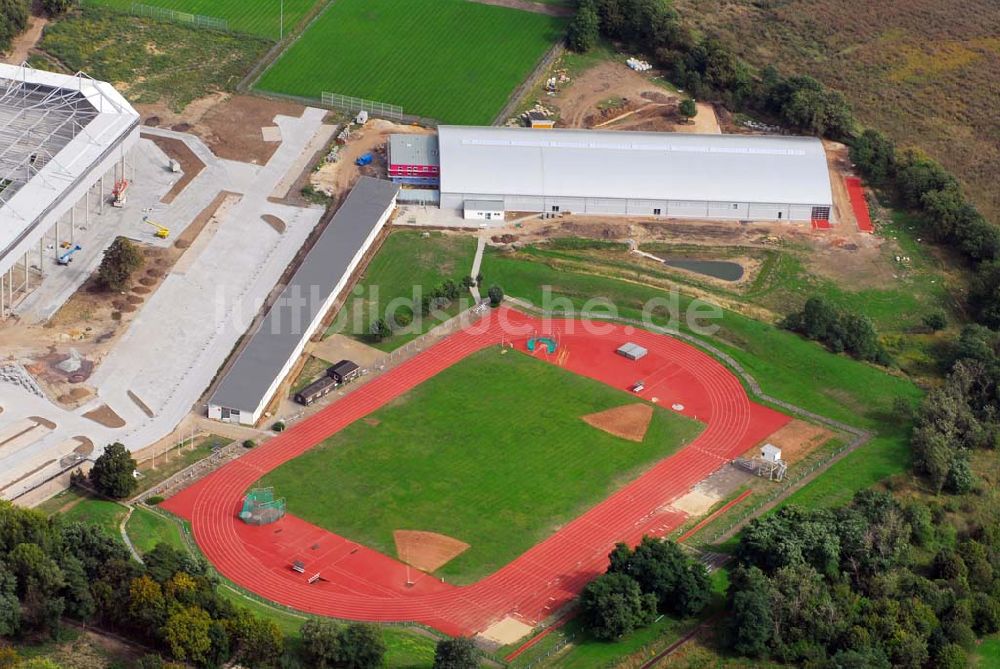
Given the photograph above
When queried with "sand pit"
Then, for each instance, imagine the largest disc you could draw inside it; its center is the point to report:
(506, 631)
(628, 422)
(796, 440)
(105, 415)
(427, 551)
(695, 503)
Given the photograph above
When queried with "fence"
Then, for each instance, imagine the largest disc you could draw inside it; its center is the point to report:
(163, 14)
(354, 105)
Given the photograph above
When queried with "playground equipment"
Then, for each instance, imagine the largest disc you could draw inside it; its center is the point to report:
(67, 258)
(261, 508)
(549, 343)
(161, 231)
(120, 193)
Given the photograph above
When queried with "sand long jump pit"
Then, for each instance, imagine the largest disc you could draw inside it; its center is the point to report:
(487, 450)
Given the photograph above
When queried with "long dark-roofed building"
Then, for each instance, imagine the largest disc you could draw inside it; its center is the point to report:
(267, 358)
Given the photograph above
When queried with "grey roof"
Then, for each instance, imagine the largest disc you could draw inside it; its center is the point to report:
(484, 205)
(413, 150)
(638, 165)
(272, 345)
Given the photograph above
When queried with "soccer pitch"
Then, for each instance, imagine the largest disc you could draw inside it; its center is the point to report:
(493, 452)
(452, 60)
(256, 17)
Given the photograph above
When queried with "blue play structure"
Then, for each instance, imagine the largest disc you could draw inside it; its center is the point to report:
(550, 344)
(67, 257)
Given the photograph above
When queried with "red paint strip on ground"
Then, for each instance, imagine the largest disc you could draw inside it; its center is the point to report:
(362, 584)
(541, 635)
(715, 514)
(859, 204)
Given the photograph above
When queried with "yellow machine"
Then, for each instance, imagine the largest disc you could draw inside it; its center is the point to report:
(161, 231)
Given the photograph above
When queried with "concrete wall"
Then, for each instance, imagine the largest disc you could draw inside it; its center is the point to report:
(483, 214)
(734, 211)
(245, 418)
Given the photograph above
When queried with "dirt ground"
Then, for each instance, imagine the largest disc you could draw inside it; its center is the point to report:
(796, 440)
(22, 45)
(628, 422)
(229, 124)
(427, 551)
(191, 165)
(336, 178)
(528, 6)
(106, 416)
(506, 631)
(613, 96)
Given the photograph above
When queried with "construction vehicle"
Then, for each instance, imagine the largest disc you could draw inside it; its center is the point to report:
(364, 159)
(120, 193)
(67, 257)
(161, 231)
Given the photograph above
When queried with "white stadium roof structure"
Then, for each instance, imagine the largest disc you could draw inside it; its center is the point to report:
(58, 134)
(635, 165)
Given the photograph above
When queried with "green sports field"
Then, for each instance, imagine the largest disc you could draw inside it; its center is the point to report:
(452, 60)
(256, 17)
(492, 452)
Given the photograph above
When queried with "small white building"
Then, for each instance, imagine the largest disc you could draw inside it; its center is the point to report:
(483, 210)
(770, 453)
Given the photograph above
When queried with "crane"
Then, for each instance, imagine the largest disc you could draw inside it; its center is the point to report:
(161, 231)
(67, 257)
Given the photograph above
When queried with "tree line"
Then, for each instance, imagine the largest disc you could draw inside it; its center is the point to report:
(874, 584)
(653, 578)
(706, 68)
(839, 330)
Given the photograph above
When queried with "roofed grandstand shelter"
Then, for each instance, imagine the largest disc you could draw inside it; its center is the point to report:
(60, 136)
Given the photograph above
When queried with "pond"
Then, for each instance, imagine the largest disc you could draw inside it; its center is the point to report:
(717, 269)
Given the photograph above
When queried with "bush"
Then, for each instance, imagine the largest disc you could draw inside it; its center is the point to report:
(935, 321)
(249, 443)
(688, 109)
(154, 500)
(495, 294)
(279, 426)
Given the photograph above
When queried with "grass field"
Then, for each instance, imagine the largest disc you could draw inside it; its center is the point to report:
(452, 60)
(147, 529)
(803, 373)
(77, 506)
(492, 451)
(148, 61)
(406, 260)
(255, 17)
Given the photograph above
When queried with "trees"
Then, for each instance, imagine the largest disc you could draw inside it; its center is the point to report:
(255, 640)
(585, 29)
(457, 653)
(751, 625)
(680, 584)
(56, 7)
(875, 156)
(320, 643)
(613, 605)
(112, 474)
(186, 633)
(120, 261)
(839, 331)
(360, 646)
(13, 20)
(688, 109)
(379, 330)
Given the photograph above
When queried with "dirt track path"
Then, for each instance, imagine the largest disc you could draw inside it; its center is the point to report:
(528, 6)
(26, 41)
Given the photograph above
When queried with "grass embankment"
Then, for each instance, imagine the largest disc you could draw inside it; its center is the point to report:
(408, 266)
(492, 452)
(451, 60)
(149, 61)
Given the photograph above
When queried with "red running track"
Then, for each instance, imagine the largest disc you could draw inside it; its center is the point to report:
(859, 204)
(362, 584)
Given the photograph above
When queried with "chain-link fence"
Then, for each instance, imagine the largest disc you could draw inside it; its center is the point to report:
(164, 14)
(355, 105)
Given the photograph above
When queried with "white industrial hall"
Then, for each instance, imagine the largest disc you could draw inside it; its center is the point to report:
(487, 171)
(63, 144)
